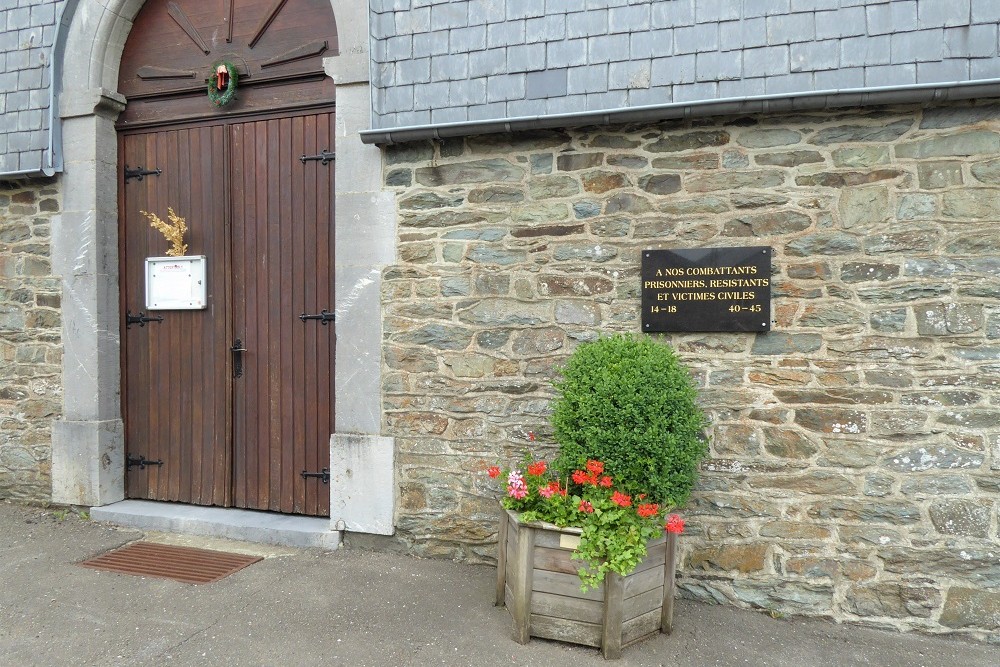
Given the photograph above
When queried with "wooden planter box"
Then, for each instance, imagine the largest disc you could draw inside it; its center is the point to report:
(538, 583)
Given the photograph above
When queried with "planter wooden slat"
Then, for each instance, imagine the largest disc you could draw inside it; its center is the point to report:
(540, 587)
(569, 608)
(547, 627)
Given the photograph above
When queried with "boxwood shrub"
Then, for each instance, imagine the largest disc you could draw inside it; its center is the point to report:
(629, 402)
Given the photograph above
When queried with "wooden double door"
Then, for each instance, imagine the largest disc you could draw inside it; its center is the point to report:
(232, 405)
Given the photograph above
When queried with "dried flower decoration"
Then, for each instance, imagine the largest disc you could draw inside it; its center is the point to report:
(174, 232)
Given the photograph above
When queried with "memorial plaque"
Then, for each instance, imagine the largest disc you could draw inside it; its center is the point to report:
(706, 289)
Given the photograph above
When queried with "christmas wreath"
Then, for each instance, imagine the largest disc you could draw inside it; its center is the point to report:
(222, 84)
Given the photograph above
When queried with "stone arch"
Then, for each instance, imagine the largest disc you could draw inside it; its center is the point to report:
(88, 441)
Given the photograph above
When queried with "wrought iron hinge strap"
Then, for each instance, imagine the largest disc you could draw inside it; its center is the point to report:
(323, 316)
(139, 319)
(324, 475)
(325, 157)
(141, 461)
(140, 172)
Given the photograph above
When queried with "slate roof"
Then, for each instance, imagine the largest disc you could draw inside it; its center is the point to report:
(27, 31)
(448, 61)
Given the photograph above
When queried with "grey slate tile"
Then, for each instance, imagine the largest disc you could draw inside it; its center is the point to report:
(814, 5)
(790, 28)
(430, 44)
(449, 115)
(756, 8)
(430, 95)
(486, 11)
(944, 14)
(525, 9)
(17, 101)
(766, 61)
(464, 40)
(812, 56)
(37, 141)
(745, 34)
(505, 87)
(566, 53)
(650, 96)
(878, 20)
(587, 79)
(399, 48)
(789, 83)
(629, 19)
(525, 57)
(861, 51)
(567, 104)
(672, 14)
(668, 71)
(944, 71)
(904, 15)
(982, 69)
(398, 98)
(548, 83)
(848, 22)
(505, 34)
(18, 141)
(651, 44)
(919, 46)
(742, 88)
(713, 12)
(977, 41)
(587, 23)
(984, 11)
(692, 39)
(414, 20)
(488, 111)
(8, 161)
(630, 74)
(695, 92)
(847, 78)
(545, 29)
(467, 92)
(607, 47)
(612, 99)
(718, 66)
(43, 14)
(450, 15)
(890, 75)
(413, 70)
(450, 68)
(488, 62)
(522, 108)
(30, 79)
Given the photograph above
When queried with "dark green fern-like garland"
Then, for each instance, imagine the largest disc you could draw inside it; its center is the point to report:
(221, 98)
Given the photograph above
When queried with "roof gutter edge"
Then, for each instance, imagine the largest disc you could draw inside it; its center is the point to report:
(810, 100)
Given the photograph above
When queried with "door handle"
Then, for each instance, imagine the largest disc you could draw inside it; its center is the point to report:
(237, 349)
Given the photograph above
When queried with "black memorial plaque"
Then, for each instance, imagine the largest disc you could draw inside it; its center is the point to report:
(706, 289)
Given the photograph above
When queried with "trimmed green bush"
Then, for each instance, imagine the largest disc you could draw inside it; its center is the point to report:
(629, 402)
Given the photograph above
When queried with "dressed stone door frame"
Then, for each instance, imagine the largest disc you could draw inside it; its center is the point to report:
(88, 449)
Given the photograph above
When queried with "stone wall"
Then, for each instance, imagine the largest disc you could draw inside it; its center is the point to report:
(855, 462)
(30, 338)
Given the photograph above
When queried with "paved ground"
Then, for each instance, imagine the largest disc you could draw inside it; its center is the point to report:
(310, 607)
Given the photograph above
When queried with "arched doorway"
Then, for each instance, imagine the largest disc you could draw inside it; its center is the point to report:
(230, 402)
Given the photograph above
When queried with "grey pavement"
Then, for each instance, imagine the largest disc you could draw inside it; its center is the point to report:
(355, 607)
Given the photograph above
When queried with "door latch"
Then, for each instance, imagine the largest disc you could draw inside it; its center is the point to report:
(237, 349)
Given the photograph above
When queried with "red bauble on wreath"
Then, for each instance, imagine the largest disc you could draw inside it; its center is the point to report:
(222, 84)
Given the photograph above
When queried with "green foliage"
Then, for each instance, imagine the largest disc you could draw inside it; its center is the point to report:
(629, 402)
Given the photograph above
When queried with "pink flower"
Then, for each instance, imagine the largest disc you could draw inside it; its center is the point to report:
(546, 492)
(586, 507)
(493, 472)
(674, 524)
(516, 488)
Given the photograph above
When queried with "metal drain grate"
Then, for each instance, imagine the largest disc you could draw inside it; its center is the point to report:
(149, 559)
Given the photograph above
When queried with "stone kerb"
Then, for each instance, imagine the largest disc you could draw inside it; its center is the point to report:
(30, 338)
(854, 448)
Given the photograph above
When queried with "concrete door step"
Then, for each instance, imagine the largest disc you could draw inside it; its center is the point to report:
(229, 523)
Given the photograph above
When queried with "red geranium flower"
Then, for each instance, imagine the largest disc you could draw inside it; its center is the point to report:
(580, 477)
(538, 468)
(531, 436)
(620, 499)
(606, 482)
(586, 507)
(674, 524)
(493, 471)
(596, 467)
(555, 488)
(647, 510)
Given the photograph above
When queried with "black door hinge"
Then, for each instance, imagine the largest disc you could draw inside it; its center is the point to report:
(139, 172)
(140, 319)
(141, 461)
(325, 475)
(325, 157)
(323, 316)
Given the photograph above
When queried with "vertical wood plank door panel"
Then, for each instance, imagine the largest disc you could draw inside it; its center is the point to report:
(282, 250)
(177, 397)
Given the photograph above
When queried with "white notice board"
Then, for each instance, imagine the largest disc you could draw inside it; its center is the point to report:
(176, 283)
